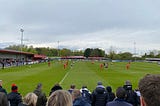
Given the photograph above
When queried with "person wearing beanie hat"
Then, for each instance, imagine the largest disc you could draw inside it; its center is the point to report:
(14, 88)
(100, 85)
(14, 97)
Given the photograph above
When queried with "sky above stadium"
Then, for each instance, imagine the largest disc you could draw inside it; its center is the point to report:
(125, 25)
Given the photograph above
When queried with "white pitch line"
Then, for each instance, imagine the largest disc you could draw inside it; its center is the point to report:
(64, 78)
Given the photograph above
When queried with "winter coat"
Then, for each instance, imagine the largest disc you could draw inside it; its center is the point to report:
(80, 102)
(42, 99)
(14, 98)
(131, 95)
(22, 104)
(86, 95)
(118, 102)
(99, 97)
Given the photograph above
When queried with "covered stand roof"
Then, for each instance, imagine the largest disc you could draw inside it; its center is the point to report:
(15, 52)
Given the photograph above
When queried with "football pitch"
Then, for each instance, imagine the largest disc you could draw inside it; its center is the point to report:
(81, 73)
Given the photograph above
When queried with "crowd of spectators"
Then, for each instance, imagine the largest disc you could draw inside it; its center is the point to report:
(147, 95)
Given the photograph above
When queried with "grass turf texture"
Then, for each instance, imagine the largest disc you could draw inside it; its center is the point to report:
(82, 73)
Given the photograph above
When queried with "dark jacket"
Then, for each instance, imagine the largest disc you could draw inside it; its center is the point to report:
(14, 98)
(3, 90)
(111, 95)
(86, 95)
(3, 99)
(118, 102)
(80, 102)
(131, 95)
(22, 104)
(42, 99)
(99, 97)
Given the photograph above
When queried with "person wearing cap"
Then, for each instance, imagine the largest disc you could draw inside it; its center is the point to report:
(14, 97)
(99, 95)
(131, 96)
(42, 99)
(1, 88)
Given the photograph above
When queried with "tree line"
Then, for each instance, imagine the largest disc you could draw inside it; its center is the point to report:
(88, 52)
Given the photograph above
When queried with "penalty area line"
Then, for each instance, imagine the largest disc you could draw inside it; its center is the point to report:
(63, 78)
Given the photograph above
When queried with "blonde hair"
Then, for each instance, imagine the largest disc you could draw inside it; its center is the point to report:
(60, 98)
(30, 99)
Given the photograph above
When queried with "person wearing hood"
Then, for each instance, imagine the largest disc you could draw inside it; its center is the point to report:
(99, 95)
(111, 95)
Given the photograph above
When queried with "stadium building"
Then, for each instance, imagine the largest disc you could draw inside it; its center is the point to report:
(16, 58)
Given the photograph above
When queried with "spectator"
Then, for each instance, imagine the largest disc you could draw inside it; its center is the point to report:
(78, 100)
(42, 99)
(120, 100)
(149, 87)
(3, 99)
(131, 96)
(86, 94)
(14, 97)
(99, 95)
(72, 87)
(54, 88)
(1, 88)
(29, 100)
(60, 98)
(111, 95)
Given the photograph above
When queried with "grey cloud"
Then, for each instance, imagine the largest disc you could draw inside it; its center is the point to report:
(115, 21)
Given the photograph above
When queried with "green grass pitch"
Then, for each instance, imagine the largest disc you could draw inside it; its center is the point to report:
(82, 73)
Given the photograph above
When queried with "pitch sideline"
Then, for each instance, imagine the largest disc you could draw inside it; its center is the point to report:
(64, 78)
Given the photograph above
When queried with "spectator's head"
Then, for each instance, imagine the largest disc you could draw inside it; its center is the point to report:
(3, 99)
(99, 83)
(109, 89)
(30, 99)
(120, 93)
(84, 86)
(39, 86)
(14, 88)
(149, 87)
(60, 98)
(0, 82)
(127, 82)
(127, 85)
(72, 86)
(76, 94)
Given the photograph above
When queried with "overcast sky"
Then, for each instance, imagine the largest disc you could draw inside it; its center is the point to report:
(81, 24)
